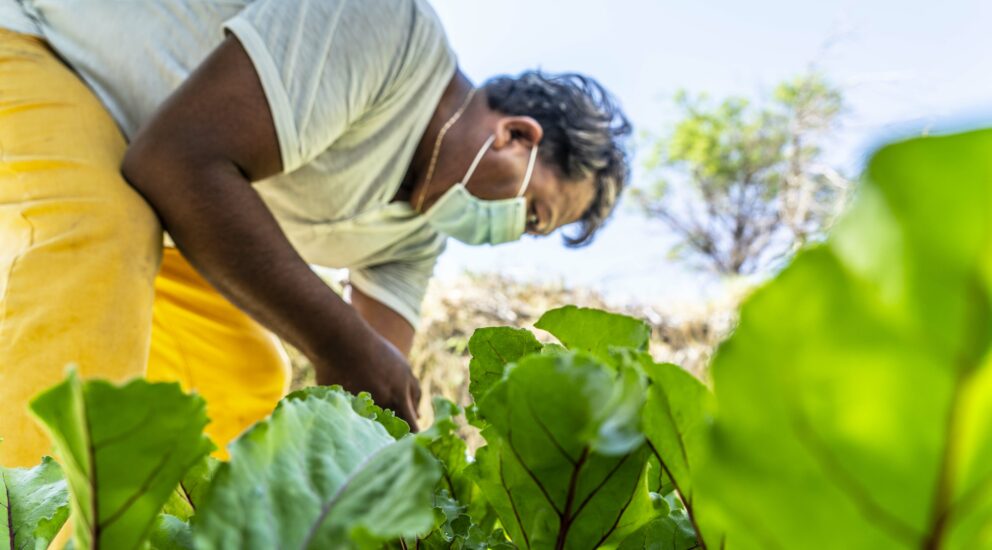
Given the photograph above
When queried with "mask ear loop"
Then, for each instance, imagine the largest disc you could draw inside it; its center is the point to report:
(478, 158)
(530, 170)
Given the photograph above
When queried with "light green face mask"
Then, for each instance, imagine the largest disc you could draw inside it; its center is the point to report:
(472, 220)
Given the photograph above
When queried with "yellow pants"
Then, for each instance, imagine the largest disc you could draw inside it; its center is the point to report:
(80, 253)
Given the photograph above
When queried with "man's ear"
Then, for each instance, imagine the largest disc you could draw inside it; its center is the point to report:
(522, 130)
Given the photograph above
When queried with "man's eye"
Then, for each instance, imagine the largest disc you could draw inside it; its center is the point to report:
(532, 220)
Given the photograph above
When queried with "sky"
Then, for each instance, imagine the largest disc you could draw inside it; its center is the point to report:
(906, 67)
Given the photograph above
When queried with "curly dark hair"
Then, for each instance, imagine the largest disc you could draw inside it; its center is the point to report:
(585, 132)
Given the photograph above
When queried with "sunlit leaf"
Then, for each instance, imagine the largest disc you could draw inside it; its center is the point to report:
(318, 475)
(594, 331)
(34, 503)
(560, 468)
(492, 349)
(123, 450)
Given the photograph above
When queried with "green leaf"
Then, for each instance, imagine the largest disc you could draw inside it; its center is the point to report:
(492, 349)
(560, 468)
(444, 443)
(675, 421)
(467, 519)
(662, 534)
(361, 404)
(318, 475)
(670, 530)
(595, 331)
(170, 533)
(855, 397)
(124, 450)
(34, 503)
(191, 491)
(454, 528)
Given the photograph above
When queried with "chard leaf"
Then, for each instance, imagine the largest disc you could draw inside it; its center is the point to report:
(670, 530)
(560, 466)
(855, 397)
(318, 475)
(124, 450)
(595, 331)
(191, 491)
(170, 533)
(492, 349)
(34, 503)
(676, 421)
(455, 529)
(664, 533)
(465, 519)
(443, 441)
(361, 404)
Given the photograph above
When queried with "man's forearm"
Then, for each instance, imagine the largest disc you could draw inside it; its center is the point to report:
(389, 324)
(221, 225)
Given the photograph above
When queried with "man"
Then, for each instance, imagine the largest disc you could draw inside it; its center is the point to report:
(265, 136)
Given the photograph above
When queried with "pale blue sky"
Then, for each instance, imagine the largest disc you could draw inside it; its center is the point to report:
(905, 66)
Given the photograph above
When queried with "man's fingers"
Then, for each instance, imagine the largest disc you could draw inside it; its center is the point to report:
(414, 414)
(406, 412)
(415, 389)
(416, 394)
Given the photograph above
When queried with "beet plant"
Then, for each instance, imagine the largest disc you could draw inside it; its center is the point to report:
(851, 408)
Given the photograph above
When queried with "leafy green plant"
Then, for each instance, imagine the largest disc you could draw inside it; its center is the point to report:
(124, 450)
(34, 503)
(852, 409)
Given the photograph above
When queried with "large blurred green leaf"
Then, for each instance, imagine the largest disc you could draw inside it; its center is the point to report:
(855, 398)
(595, 331)
(124, 450)
(564, 459)
(318, 475)
(34, 503)
(492, 349)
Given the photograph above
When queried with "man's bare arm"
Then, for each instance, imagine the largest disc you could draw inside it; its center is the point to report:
(390, 325)
(193, 162)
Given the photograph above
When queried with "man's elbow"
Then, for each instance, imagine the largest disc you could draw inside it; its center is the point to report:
(141, 167)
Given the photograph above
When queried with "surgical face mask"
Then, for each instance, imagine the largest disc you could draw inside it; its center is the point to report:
(472, 220)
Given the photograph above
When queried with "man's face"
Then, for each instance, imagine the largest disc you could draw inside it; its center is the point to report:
(553, 202)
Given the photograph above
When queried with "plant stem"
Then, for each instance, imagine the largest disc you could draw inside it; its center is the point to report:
(566, 517)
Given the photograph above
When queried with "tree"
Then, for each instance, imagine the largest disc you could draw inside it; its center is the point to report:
(743, 186)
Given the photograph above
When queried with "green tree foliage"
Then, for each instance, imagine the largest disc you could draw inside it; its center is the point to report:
(743, 185)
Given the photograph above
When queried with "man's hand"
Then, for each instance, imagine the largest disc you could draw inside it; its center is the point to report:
(378, 368)
(194, 162)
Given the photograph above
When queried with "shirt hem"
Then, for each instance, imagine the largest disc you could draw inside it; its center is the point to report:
(384, 297)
